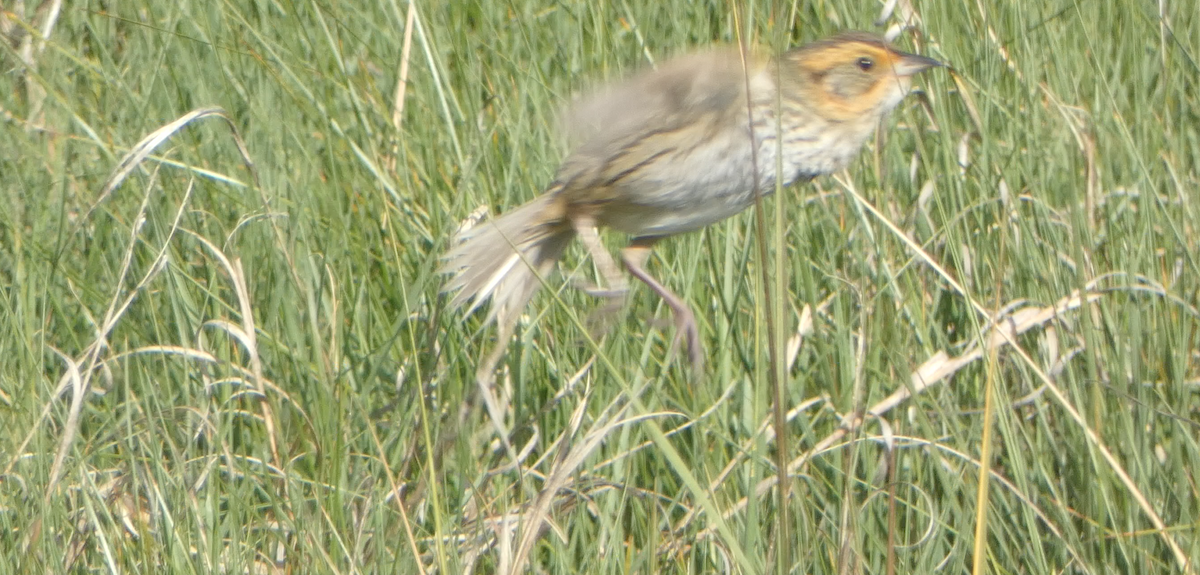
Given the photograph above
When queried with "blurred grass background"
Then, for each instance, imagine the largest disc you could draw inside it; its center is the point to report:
(237, 363)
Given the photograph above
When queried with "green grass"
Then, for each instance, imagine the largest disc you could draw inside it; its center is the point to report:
(144, 328)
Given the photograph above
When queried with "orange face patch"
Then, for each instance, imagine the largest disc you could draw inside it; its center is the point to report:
(821, 59)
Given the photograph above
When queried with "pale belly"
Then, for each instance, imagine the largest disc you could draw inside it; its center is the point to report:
(697, 193)
(651, 221)
(689, 187)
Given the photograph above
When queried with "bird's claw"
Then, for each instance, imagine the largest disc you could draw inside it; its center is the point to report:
(687, 331)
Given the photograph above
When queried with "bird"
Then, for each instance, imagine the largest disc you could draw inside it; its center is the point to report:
(675, 149)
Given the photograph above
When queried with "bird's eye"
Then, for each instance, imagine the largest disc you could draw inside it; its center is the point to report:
(865, 64)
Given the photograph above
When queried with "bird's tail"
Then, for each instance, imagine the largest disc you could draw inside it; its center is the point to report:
(502, 259)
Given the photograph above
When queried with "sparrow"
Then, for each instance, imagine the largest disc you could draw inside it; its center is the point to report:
(675, 149)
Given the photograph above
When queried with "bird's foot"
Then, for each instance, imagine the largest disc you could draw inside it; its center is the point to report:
(688, 332)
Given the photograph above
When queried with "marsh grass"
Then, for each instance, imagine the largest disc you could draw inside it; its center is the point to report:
(235, 358)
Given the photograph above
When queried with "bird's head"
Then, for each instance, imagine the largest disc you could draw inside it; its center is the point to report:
(851, 76)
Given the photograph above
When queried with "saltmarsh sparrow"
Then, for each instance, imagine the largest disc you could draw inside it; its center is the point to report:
(678, 148)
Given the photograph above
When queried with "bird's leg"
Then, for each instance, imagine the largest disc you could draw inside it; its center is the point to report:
(615, 284)
(634, 256)
(615, 287)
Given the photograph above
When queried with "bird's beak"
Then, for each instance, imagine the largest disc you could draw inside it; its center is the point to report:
(910, 64)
